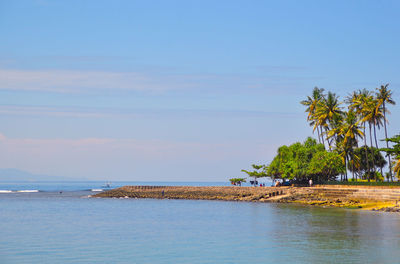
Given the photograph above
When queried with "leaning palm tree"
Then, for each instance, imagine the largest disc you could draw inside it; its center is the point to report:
(384, 97)
(327, 110)
(312, 102)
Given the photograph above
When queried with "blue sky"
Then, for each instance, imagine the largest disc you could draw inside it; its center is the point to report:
(178, 90)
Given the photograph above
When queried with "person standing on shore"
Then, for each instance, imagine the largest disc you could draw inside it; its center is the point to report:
(310, 182)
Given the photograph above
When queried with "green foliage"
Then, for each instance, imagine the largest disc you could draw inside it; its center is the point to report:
(342, 128)
(368, 160)
(237, 181)
(258, 172)
(325, 165)
(394, 151)
(302, 161)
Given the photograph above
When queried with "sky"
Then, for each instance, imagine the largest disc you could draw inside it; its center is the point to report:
(179, 90)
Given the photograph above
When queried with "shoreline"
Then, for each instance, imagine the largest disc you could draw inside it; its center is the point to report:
(375, 198)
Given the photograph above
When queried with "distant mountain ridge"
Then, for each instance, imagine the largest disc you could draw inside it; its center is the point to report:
(10, 174)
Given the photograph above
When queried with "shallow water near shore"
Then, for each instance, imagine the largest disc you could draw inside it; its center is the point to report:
(53, 227)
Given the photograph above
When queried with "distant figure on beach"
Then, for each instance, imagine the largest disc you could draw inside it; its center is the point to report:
(310, 182)
(162, 193)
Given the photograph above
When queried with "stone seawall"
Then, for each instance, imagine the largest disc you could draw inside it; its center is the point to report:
(367, 197)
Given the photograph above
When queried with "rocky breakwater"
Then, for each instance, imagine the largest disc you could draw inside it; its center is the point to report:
(355, 197)
(227, 193)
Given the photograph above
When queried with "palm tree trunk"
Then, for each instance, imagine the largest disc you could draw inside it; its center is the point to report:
(327, 139)
(372, 151)
(319, 136)
(345, 166)
(366, 150)
(352, 165)
(387, 143)
(376, 143)
(322, 136)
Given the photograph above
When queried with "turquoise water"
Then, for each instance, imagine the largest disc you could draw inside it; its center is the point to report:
(68, 227)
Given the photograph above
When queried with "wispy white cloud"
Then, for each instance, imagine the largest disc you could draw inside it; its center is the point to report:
(38, 111)
(77, 81)
(115, 158)
(50, 111)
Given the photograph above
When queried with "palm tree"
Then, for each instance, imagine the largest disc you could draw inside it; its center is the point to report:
(312, 102)
(351, 129)
(360, 104)
(341, 150)
(373, 115)
(395, 152)
(328, 109)
(356, 100)
(348, 133)
(334, 129)
(384, 97)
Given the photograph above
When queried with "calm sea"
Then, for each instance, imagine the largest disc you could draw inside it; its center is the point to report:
(68, 227)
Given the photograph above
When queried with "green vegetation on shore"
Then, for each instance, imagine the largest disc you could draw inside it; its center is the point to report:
(394, 151)
(237, 181)
(259, 171)
(347, 141)
(301, 161)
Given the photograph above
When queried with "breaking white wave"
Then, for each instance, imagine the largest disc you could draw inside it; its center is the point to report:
(96, 190)
(5, 191)
(28, 191)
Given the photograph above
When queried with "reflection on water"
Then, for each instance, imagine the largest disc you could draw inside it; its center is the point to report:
(336, 235)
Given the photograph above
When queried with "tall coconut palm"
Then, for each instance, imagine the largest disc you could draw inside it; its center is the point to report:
(376, 116)
(349, 131)
(384, 97)
(373, 115)
(327, 110)
(312, 102)
(358, 104)
(341, 151)
(334, 129)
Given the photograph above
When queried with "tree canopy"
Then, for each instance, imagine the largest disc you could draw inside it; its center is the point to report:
(303, 161)
(258, 172)
(364, 158)
(394, 151)
(341, 127)
(237, 181)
